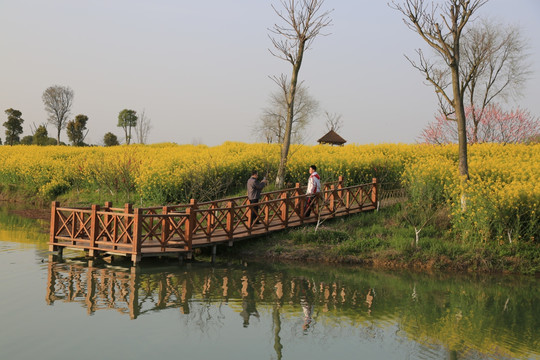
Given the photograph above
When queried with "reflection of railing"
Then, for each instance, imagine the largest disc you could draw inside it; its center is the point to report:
(134, 294)
(97, 289)
(179, 228)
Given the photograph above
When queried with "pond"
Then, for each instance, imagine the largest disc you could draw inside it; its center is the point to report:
(77, 308)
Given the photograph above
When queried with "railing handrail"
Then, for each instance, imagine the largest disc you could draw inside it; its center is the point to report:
(177, 225)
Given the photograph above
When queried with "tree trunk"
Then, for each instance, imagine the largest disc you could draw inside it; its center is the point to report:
(462, 133)
(280, 179)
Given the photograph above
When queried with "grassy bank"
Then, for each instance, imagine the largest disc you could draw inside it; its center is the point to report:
(384, 239)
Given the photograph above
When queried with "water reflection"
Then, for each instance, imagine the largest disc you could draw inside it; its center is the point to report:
(22, 230)
(265, 311)
(445, 316)
(134, 291)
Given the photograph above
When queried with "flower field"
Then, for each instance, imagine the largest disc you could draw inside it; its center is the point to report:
(503, 194)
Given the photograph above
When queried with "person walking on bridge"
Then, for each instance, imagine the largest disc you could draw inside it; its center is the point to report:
(254, 188)
(313, 188)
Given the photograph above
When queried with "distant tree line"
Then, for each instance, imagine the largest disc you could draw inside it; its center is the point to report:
(58, 101)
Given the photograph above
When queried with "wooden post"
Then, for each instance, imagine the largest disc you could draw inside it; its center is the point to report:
(297, 190)
(137, 236)
(214, 250)
(230, 220)
(249, 216)
(54, 226)
(210, 220)
(340, 190)
(107, 220)
(128, 209)
(164, 228)
(374, 195)
(299, 202)
(331, 198)
(348, 200)
(284, 209)
(190, 223)
(266, 214)
(94, 230)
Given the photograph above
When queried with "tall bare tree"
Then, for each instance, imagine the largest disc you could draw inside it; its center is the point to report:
(442, 27)
(271, 127)
(302, 21)
(143, 127)
(58, 100)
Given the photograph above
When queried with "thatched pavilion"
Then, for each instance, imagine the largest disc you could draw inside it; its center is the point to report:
(332, 138)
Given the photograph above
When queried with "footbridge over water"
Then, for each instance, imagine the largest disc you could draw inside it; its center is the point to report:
(177, 229)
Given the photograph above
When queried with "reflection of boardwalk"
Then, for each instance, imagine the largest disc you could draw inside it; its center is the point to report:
(178, 229)
(132, 293)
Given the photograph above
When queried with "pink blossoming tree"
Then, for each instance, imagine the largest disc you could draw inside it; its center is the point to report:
(492, 125)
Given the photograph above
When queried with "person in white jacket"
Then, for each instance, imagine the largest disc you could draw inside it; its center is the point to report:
(313, 187)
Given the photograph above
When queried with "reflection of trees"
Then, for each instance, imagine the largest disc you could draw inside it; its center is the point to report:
(446, 311)
(458, 318)
(22, 230)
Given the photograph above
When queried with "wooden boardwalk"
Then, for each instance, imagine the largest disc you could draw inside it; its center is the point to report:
(177, 230)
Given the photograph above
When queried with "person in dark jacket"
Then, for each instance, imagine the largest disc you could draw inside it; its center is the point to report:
(254, 188)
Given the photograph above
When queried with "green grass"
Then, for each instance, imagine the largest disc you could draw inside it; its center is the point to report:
(383, 238)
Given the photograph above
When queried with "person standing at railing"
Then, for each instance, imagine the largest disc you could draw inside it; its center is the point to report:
(254, 188)
(313, 188)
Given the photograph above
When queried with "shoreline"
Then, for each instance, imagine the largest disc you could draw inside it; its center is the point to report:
(302, 245)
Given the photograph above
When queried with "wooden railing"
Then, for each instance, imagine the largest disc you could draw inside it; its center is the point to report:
(179, 228)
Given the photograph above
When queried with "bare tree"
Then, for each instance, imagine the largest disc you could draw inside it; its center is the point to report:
(333, 121)
(271, 127)
(495, 56)
(143, 127)
(58, 100)
(442, 28)
(302, 21)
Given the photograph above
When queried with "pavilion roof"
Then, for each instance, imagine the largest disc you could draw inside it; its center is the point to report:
(332, 138)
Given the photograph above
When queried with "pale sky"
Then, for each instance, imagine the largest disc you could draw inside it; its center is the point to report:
(200, 69)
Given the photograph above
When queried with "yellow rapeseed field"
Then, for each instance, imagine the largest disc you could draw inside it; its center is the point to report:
(503, 193)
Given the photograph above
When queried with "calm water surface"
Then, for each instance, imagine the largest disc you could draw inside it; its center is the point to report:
(76, 309)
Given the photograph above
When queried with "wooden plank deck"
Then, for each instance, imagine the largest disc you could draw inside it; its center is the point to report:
(177, 230)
